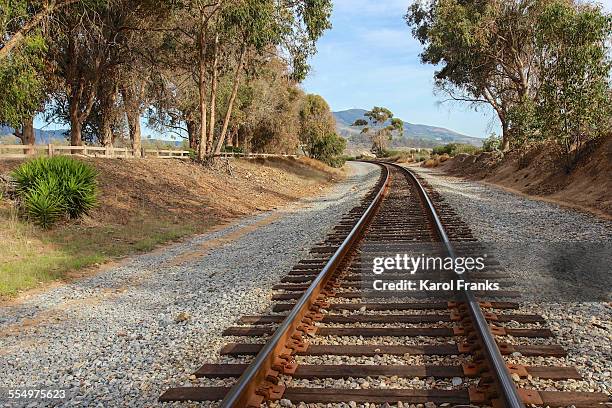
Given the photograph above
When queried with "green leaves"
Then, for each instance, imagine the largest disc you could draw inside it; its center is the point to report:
(542, 65)
(53, 187)
(317, 131)
(42, 202)
(574, 100)
(396, 125)
(491, 143)
(22, 82)
(329, 149)
(379, 115)
(292, 26)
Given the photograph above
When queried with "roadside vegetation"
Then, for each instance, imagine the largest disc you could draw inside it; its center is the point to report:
(141, 204)
(217, 76)
(542, 66)
(49, 188)
(220, 75)
(318, 132)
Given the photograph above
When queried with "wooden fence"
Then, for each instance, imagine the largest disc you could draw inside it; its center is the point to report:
(22, 151)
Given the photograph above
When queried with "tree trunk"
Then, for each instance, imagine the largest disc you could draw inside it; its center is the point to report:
(75, 123)
(107, 117)
(131, 106)
(505, 145)
(133, 119)
(192, 132)
(26, 134)
(230, 105)
(106, 132)
(202, 87)
(213, 98)
(232, 135)
(79, 93)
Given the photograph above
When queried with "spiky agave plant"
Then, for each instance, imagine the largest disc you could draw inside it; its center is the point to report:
(42, 202)
(77, 184)
(52, 187)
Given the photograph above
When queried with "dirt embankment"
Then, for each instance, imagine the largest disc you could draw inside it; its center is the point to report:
(541, 173)
(180, 190)
(143, 203)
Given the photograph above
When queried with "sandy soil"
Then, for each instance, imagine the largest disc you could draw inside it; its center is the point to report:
(178, 188)
(540, 174)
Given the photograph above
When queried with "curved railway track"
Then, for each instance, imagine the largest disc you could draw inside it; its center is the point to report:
(322, 312)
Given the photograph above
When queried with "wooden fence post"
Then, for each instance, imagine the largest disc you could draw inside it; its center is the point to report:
(49, 150)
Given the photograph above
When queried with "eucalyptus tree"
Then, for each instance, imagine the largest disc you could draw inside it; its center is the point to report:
(574, 102)
(23, 86)
(535, 62)
(485, 50)
(380, 127)
(101, 53)
(316, 122)
(264, 27)
(22, 65)
(20, 20)
(79, 52)
(243, 31)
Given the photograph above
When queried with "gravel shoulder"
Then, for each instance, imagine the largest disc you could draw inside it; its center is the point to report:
(122, 337)
(498, 216)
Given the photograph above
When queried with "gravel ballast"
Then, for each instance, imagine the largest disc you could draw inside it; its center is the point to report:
(124, 336)
(584, 329)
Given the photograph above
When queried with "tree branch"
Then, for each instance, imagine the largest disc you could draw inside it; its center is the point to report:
(19, 37)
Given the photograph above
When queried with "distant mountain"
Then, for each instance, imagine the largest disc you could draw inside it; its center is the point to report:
(415, 135)
(42, 136)
(48, 136)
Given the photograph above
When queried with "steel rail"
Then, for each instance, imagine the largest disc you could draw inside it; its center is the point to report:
(508, 390)
(246, 386)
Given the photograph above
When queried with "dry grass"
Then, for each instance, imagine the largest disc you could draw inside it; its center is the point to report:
(30, 256)
(431, 163)
(143, 204)
(443, 158)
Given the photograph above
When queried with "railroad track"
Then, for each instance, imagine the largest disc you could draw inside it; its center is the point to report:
(323, 322)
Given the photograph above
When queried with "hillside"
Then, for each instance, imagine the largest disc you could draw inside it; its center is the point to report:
(42, 136)
(540, 173)
(143, 203)
(415, 135)
(60, 136)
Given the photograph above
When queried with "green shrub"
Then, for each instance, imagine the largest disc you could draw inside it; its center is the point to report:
(466, 148)
(491, 143)
(453, 149)
(43, 204)
(50, 188)
(329, 149)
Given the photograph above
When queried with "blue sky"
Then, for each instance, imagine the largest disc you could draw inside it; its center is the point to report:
(370, 58)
